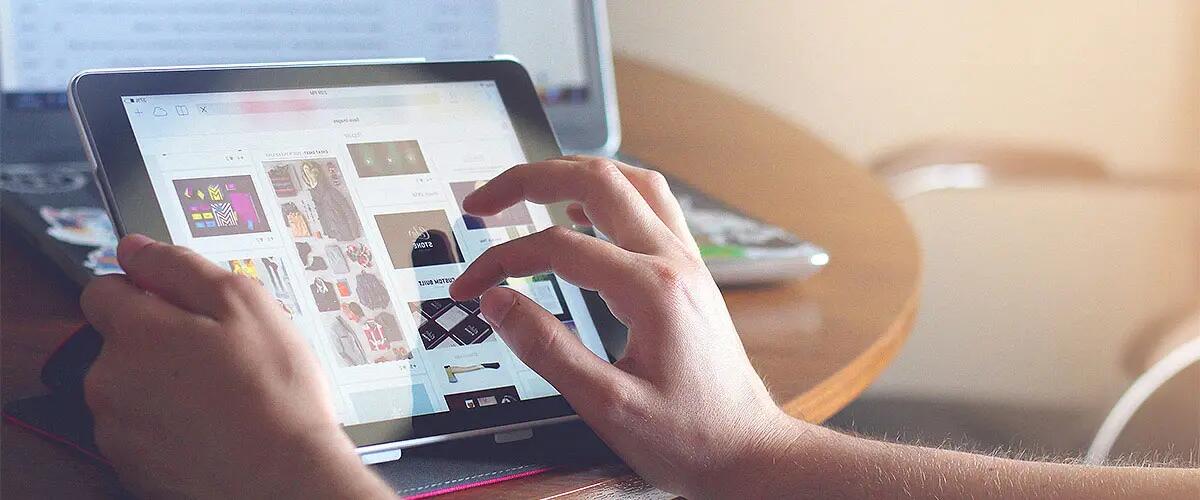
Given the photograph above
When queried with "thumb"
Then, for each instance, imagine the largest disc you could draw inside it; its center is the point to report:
(546, 345)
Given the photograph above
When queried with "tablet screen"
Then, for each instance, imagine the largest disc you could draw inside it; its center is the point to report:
(344, 203)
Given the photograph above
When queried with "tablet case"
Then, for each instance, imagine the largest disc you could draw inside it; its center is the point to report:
(62, 417)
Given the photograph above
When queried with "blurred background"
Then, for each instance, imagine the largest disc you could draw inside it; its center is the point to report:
(1099, 77)
(1047, 154)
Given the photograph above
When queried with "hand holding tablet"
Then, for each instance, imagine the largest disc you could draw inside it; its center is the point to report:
(205, 377)
(312, 217)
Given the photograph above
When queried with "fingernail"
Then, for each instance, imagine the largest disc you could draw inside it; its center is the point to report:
(131, 244)
(495, 304)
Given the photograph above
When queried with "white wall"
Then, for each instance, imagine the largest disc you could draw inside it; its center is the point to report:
(1116, 78)
(1035, 295)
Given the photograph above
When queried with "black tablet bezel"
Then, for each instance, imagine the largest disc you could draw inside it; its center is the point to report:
(95, 99)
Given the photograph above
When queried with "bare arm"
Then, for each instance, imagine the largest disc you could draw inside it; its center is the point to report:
(204, 389)
(804, 460)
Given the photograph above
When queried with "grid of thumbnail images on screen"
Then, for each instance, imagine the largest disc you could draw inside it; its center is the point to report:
(340, 269)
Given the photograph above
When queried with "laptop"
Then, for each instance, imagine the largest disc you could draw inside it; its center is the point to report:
(46, 184)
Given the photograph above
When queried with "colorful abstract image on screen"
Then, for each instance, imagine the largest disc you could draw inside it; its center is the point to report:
(220, 206)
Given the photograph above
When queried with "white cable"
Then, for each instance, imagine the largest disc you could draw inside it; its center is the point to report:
(1137, 394)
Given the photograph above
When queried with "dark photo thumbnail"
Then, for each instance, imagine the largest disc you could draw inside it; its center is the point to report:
(446, 323)
(379, 159)
(418, 239)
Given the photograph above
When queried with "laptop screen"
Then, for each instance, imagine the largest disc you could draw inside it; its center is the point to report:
(42, 44)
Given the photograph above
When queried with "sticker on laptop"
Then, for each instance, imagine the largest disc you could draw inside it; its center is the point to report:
(85, 226)
(44, 179)
(103, 261)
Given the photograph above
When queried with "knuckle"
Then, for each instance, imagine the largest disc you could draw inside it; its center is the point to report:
(655, 182)
(546, 345)
(668, 275)
(602, 168)
(692, 263)
(235, 289)
(676, 280)
(535, 341)
(559, 233)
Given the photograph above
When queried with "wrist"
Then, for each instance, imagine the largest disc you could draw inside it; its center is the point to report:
(349, 478)
(327, 468)
(781, 452)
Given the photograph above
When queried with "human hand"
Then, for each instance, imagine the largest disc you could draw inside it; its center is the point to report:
(204, 389)
(683, 406)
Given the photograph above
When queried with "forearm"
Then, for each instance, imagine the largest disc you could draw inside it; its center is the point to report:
(924, 472)
(322, 471)
(809, 461)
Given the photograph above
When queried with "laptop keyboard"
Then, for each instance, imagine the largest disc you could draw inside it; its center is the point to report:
(44, 178)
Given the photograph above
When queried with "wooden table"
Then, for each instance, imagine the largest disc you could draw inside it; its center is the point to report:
(818, 344)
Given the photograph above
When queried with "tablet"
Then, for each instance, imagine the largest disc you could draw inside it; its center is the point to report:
(338, 187)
